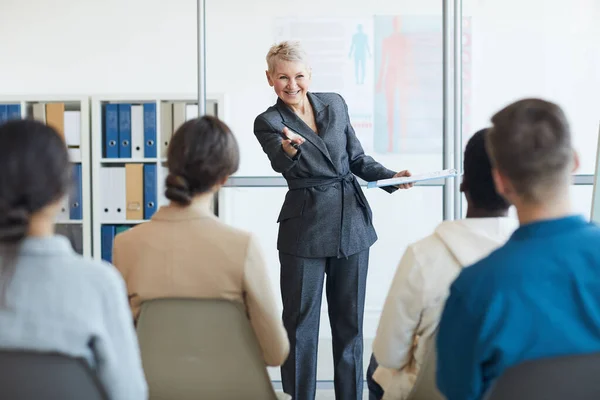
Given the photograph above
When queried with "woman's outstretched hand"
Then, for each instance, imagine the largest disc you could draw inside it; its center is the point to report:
(292, 138)
(404, 185)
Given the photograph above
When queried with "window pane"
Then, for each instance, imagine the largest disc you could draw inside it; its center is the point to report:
(581, 199)
(537, 48)
(352, 46)
(400, 219)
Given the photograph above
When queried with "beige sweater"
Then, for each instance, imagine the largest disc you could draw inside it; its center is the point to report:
(416, 298)
(189, 252)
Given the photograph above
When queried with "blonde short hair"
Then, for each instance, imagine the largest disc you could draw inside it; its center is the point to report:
(288, 50)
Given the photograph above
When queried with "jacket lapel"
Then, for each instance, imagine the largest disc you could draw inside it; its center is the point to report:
(293, 122)
(321, 110)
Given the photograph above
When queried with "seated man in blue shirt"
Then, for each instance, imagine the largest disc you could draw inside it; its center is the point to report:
(538, 295)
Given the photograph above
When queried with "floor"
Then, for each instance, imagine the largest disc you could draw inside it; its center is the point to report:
(325, 390)
(330, 395)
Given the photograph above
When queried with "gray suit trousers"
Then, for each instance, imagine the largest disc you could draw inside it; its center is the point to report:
(301, 289)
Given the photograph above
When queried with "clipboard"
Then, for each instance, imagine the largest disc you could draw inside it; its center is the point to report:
(443, 174)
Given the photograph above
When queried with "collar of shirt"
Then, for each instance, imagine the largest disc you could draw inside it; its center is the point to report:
(550, 227)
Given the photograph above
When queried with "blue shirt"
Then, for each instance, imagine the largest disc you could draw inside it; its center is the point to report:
(537, 296)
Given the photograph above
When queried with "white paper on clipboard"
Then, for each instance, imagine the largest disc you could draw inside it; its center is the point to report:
(443, 174)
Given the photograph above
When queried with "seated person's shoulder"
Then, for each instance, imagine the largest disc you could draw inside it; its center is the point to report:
(592, 232)
(428, 250)
(492, 274)
(98, 274)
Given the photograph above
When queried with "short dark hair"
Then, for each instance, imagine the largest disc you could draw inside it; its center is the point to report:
(477, 176)
(530, 143)
(202, 152)
(35, 172)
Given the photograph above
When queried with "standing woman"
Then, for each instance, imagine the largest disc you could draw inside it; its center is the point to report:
(325, 224)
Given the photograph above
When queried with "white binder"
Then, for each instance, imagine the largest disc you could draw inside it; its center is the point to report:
(137, 132)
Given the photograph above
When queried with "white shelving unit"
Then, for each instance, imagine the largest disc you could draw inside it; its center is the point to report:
(71, 103)
(215, 105)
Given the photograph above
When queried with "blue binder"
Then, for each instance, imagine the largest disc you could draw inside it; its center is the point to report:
(75, 208)
(107, 237)
(124, 130)
(150, 130)
(14, 111)
(3, 113)
(111, 131)
(149, 190)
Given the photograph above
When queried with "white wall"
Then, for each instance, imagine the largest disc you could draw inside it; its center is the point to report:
(97, 46)
(539, 48)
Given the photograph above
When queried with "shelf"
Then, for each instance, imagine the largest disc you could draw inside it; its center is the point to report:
(69, 222)
(125, 222)
(127, 160)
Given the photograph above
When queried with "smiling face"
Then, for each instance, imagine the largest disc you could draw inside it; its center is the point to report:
(290, 80)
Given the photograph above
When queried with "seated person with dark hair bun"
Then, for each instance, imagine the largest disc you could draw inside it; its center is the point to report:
(52, 299)
(185, 251)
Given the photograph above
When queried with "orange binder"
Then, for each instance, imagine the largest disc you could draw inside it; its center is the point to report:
(55, 117)
(134, 192)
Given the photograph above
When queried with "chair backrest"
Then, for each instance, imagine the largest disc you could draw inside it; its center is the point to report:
(425, 387)
(574, 377)
(201, 349)
(46, 376)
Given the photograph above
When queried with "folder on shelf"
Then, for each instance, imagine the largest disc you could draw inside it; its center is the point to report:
(39, 112)
(73, 232)
(118, 197)
(64, 211)
(162, 199)
(124, 130)
(14, 111)
(179, 115)
(73, 128)
(137, 132)
(107, 238)
(111, 131)
(121, 229)
(149, 190)
(112, 192)
(75, 207)
(150, 130)
(74, 154)
(166, 127)
(105, 190)
(3, 113)
(191, 111)
(134, 179)
(55, 117)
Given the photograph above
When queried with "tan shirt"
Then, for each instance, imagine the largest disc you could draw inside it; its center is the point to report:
(189, 252)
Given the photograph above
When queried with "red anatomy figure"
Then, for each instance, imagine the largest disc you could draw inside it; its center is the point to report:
(395, 59)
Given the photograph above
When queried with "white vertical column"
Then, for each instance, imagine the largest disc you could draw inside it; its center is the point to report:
(457, 105)
(201, 57)
(447, 102)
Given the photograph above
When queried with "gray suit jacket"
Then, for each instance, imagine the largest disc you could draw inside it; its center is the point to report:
(325, 213)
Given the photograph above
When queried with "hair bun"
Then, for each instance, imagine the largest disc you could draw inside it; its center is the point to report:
(178, 189)
(14, 223)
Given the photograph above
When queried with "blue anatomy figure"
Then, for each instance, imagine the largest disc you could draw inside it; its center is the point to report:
(360, 47)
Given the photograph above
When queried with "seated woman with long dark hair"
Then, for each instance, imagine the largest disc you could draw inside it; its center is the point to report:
(52, 299)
